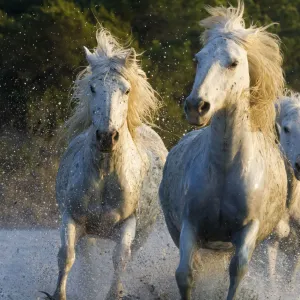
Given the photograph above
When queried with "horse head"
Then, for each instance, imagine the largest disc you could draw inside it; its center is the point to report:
(109, 92)
(222, 68)
(289, 127)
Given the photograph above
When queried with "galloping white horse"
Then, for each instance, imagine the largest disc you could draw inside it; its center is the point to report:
(107, 183)
(225, 185)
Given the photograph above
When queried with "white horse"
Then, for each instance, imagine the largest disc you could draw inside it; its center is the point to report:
(226, 185)
(287, 235)
(107, 183)
(288, 120)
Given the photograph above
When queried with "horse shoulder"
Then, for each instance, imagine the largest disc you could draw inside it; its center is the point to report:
(186, 149)
(151, 142)
(71, 160)
(175, 170)
(74, 146)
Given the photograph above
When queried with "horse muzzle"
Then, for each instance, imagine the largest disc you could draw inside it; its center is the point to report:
(195, 110)
(107, 140)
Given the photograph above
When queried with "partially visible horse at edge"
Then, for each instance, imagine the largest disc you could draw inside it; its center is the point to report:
(288, 116)
(225, 186)
(287, 235)
(108, 178)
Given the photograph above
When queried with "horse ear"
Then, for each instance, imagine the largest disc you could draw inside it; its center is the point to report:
(90, 57)
(130, 57)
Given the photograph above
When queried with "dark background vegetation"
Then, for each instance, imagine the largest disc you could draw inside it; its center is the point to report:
(41, 51)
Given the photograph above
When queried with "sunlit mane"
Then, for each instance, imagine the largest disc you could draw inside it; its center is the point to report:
(112, 57)
(264, 57)
(288, 104)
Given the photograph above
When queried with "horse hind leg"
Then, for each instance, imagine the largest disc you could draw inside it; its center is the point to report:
(121, 256)
(245, 241)
(188, 247)
(70, 233)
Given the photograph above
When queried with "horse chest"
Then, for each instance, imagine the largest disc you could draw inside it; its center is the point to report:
(107, 192)
(104, 205)
(111, 191)
(227, 199)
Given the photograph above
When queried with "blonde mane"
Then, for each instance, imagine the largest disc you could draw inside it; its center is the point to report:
(288, 104)
(264, 58)
(112, 57)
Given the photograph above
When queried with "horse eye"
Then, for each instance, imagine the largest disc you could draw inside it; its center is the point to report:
(93, 90)
(127, 92)
(233, 64)
(286, 129)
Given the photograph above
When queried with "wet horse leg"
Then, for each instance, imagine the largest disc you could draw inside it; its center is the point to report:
(70, 233)
(295, 268)
(273, 256)
(245, 241)
(121, 256)
(184, 272)
(295, 264)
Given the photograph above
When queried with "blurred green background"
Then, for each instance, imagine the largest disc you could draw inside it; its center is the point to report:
(41, 51)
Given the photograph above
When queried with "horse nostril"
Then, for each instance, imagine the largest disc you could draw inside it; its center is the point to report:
(98, 135)
(297, 166)
(203, 107)
(115, 136)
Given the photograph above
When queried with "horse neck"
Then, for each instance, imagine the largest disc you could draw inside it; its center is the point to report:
(230, 133)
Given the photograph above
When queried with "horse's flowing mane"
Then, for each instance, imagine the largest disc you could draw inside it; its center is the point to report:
(264, 58)
(110, 56)
(288, 104)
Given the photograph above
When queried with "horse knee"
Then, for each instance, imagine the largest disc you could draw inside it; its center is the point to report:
(239, 263)
(66, 257)
(70, 258)
(121, 256)
(125, 257)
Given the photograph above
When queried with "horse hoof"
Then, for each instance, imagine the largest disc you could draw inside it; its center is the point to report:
(48, 296)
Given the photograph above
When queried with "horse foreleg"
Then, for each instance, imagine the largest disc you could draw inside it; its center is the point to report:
(272, 254)
(69, 233)
(296, 268)
(121, 256)
(184, 272)
(245, 241)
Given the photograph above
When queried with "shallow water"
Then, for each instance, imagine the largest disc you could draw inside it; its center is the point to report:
(28, 265)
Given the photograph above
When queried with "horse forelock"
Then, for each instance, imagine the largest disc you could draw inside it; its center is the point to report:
(264, 59)
(223, 21)
(111, 57)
